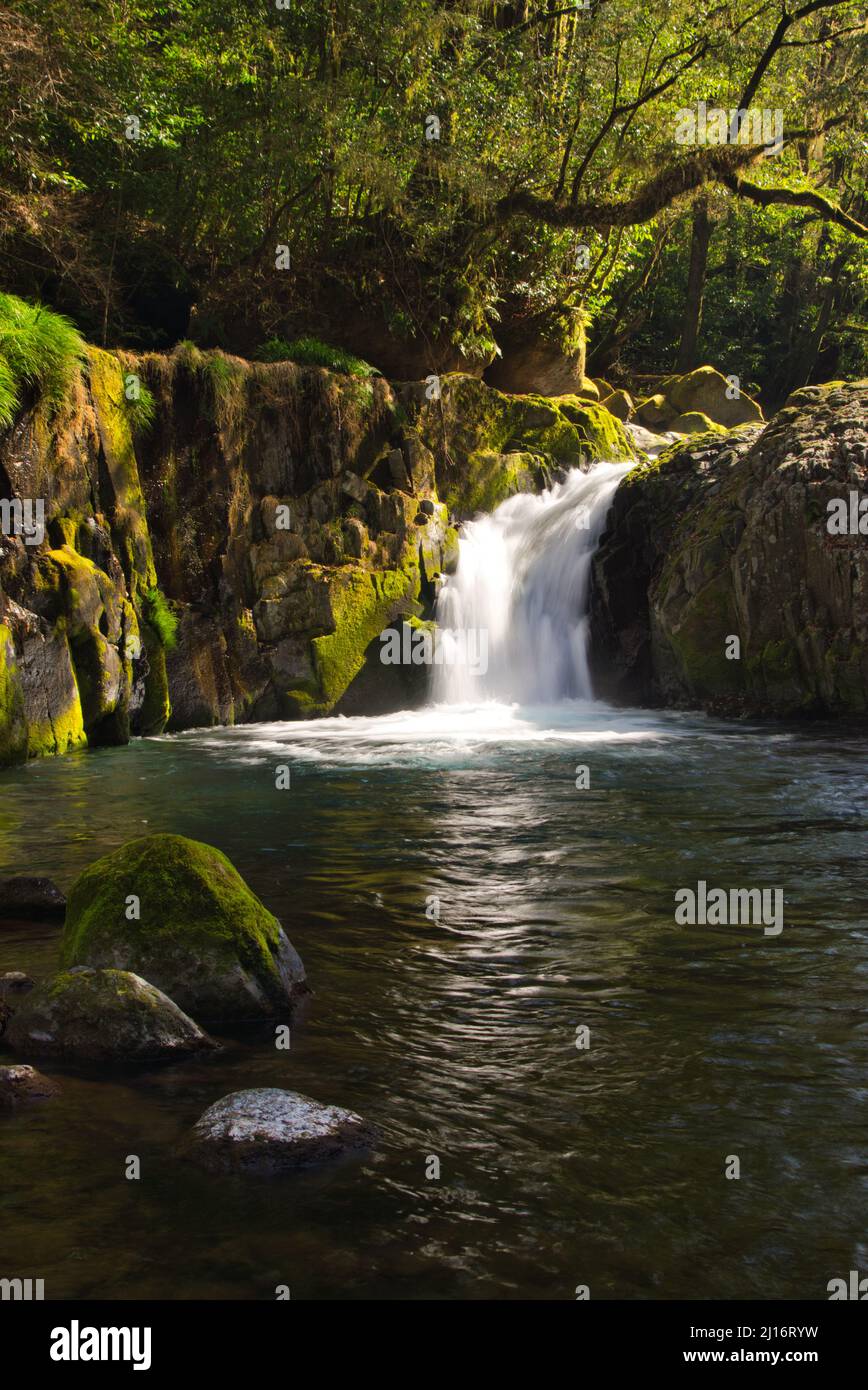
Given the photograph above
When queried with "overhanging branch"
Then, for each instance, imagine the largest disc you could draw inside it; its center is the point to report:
(717, 164)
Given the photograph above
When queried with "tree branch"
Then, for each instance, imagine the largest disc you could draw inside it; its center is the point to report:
(804, 198)
(716, 164)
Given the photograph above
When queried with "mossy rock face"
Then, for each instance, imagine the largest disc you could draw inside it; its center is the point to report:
(13, 724)
(201, 935)
(811, 395)
(103, 1016)
(725, 536)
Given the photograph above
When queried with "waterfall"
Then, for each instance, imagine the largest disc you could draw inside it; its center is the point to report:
(514, 616)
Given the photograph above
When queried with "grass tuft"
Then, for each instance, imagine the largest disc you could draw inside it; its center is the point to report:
(311, 352)
(38, 348)
(160, 617)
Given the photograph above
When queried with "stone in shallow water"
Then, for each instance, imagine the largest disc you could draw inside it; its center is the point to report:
(30, 897)
(20, 1084)
(268, 1131)
(14, 982)
(102, 1015)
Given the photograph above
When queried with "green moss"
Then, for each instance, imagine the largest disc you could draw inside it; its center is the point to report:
(362, 603)
(196, 914)
(129, 525)
(156, 707)
(699, 643)
(490, 478)
(13, 725)
(160, 617)
(695, 423)
(60, 734)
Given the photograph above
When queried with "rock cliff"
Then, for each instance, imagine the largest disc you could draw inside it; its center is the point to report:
(733, 537)
(224, 541)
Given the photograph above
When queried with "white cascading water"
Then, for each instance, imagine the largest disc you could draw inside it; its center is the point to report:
(520, 596)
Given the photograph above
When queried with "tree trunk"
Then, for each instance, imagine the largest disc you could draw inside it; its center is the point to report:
(699, 242)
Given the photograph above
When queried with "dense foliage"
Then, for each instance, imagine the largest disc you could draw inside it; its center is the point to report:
(239, 171)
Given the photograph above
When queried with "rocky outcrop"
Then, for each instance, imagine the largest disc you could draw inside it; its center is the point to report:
(269, 1131)
(178, 913)
(226, 541)
(721, 580)
(102, 1016)
(75, 644)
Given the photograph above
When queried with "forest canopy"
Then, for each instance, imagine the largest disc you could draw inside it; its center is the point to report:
(423, 183)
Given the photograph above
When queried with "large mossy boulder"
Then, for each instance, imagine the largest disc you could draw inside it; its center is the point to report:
(178, 913)
(102, 1016)
(706, 391)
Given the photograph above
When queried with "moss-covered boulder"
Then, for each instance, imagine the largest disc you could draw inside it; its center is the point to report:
(694, 422)
(102, 1016)
(708, 392)
(620, 404)
(178, 913)
(656, 412)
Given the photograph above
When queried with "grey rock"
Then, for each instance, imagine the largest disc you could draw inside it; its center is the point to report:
(269, 1131)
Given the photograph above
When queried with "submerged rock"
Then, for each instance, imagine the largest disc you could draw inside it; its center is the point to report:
(178, 913)
(23, 896)
(103, 1016)
(20, 1085)
(268, 1131)
(14, 982)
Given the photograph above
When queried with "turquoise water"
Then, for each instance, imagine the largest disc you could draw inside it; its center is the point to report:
(456, 1036)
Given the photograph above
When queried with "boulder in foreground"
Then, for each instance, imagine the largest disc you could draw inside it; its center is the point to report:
(103, 1016)
(269, 1131)
(178, 913)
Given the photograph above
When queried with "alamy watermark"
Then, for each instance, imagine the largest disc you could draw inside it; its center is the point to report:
(439, 646)
(715, 126)
(717, 907)
(25, 517)
(22, 1290)
(847, 516)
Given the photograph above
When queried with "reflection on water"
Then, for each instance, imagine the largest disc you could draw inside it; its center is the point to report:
(457, 1036)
